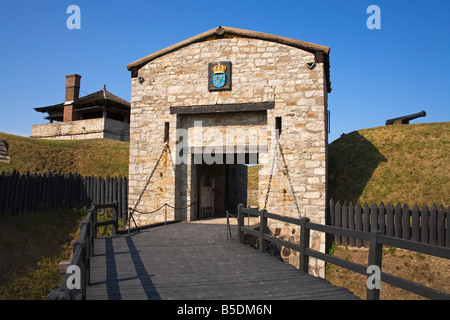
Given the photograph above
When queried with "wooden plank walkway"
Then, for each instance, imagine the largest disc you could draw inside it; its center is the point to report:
(190, 261)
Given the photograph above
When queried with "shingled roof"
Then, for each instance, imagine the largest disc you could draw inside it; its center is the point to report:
(320, 52)
(99, 98)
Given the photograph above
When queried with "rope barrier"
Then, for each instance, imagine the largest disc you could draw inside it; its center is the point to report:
(165, 205)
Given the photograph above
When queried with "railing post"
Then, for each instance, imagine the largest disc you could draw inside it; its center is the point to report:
(94, 218)
(80, 294)
(375, 259)
(228, 225)
(92, 231)
(240, 223)
(129, 216)
(87, 254)
(304, 243)
(85, 270)
(115, 216)
(262, 231)
(165, 214)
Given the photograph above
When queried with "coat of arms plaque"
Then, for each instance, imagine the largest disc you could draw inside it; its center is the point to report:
(219, 76)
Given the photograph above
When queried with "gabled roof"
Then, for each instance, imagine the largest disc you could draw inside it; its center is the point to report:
(320, 52)
(99, 97)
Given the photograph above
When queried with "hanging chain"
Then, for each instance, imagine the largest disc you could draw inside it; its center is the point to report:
(271, 175)
(165, 205)
(287, 174)
(290, 182)
(150, 177)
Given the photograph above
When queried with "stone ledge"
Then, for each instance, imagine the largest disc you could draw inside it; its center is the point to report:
(223, 108)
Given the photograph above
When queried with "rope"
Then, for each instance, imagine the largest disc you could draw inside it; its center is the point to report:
(149, 212)
(165, 205)
(178, 208)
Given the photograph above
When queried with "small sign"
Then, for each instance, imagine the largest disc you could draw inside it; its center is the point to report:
(219, 76)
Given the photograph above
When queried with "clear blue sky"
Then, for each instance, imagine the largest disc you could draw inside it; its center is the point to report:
(399, 69)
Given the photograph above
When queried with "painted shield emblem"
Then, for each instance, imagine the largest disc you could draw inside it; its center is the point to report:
(218, 79)
(219, 76)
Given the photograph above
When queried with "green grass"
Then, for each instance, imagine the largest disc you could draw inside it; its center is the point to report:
(98, 157)
(401, 163)
(31, 247)
(427, 270)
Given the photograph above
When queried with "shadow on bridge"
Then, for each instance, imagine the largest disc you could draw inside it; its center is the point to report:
(195, 261)
(113, 283)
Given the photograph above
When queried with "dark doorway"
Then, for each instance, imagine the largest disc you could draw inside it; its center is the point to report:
(211, 190)
(220, 188)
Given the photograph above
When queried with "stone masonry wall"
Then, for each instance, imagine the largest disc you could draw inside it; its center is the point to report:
(82, 129)
(262, 71)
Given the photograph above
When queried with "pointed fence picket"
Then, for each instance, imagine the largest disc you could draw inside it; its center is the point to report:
(34, 193)
(422, 224)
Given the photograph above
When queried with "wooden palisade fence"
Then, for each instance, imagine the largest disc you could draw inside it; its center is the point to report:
(426, 224)
(34, 193)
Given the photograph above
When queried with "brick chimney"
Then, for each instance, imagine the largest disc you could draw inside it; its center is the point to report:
(72, 95)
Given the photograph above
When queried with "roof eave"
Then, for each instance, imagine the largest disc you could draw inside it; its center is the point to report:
(321, 53)
(47, 108)
(223, 32)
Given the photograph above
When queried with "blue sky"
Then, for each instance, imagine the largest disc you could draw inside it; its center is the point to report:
(399, 69)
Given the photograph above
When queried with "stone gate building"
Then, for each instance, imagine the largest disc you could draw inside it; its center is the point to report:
(203, 108)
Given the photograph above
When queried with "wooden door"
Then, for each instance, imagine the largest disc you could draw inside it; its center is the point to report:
(206, 191)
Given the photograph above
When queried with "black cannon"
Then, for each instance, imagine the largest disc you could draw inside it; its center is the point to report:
(406, 119)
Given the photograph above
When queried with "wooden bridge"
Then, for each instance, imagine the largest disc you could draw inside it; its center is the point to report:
(199, 260)
(196, 261)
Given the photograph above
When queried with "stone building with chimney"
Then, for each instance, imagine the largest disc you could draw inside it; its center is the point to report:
(97, 115)
(223, 98)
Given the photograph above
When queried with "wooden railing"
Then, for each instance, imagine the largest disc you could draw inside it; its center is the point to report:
(375, 239)
(75, 283)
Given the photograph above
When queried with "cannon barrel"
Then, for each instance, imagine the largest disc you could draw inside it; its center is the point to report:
(406, 119)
